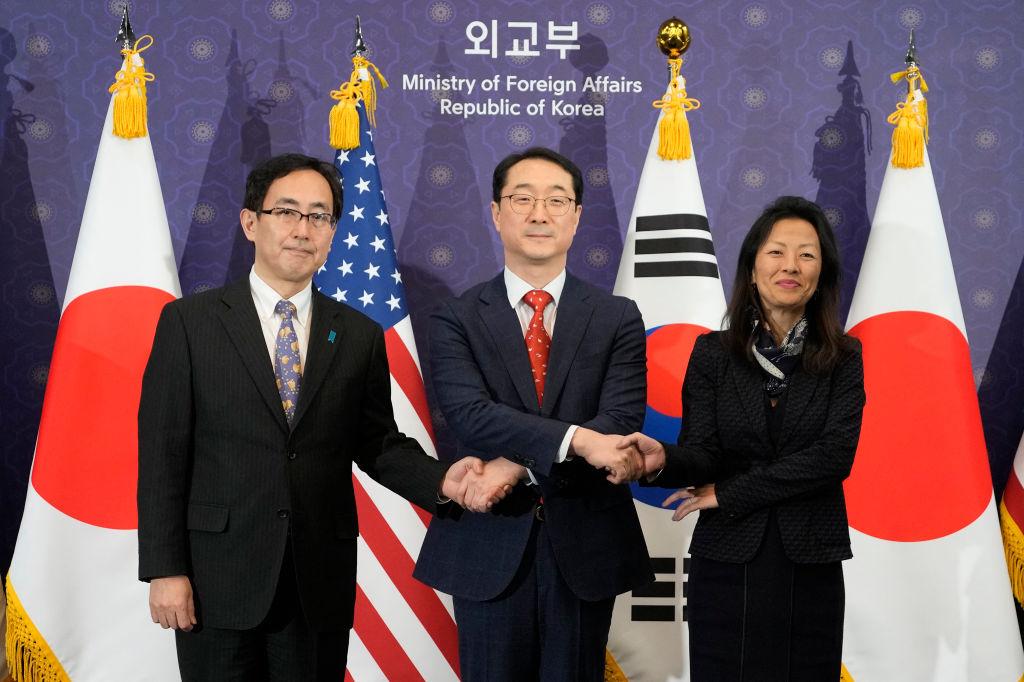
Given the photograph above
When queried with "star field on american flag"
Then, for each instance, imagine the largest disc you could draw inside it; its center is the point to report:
(362, 268)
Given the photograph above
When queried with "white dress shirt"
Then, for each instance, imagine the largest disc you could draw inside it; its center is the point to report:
(265, 298)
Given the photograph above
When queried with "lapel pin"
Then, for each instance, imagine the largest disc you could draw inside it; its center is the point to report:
(330, 337)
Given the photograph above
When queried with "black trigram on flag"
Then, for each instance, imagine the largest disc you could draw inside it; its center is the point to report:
(661, 592)
(659, 255)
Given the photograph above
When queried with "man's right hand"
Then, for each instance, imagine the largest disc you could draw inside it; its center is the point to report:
(170, 602)
(603, 452)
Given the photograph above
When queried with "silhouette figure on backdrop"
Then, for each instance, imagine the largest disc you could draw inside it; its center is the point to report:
(585, 140)
(29, 309)
(839, 168)
(216, 250)
(287, 120)
(449, 248)
(1001, 395)
(54, 180)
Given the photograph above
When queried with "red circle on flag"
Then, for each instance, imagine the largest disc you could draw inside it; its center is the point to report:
(921, 470)
(86, 462)
(668, 353)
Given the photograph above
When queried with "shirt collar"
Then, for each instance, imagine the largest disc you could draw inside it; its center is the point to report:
(517, 288)
(265, 298)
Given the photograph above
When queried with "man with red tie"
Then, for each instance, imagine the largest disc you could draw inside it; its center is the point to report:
(534, 370)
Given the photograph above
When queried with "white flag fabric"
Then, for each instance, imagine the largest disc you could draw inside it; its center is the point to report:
(76, 607)
(669, 268)
(928, 597)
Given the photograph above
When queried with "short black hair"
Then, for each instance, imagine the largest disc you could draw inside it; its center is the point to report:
(262, 177)
(501, 170)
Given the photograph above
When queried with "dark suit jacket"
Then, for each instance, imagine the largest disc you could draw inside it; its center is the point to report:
(725, 440)
(223, 479)
(596, 379)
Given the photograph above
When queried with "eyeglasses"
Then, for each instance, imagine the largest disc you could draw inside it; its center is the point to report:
(290, 217)
(523, 203)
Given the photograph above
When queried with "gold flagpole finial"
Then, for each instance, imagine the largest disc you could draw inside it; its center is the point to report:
(674, 143)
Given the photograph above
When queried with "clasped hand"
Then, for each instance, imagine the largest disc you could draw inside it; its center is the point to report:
(477, 485)
(617, 455)
(692, 499)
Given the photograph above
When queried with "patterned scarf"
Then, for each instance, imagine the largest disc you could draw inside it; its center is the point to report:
(778, 361)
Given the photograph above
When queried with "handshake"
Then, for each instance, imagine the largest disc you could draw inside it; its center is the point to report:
(477, 485)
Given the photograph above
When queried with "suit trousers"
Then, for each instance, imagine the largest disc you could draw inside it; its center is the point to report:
(282, 648)
(537, 629)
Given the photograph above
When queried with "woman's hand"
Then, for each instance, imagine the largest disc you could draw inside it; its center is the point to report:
(652, 451)
(693, 499)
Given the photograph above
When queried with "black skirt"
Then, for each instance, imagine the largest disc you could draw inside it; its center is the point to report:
(767, 619)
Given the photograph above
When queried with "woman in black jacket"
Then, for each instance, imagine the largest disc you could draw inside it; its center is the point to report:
(771, 416)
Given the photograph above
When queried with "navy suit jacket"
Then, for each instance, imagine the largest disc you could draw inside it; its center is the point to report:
(596, 379)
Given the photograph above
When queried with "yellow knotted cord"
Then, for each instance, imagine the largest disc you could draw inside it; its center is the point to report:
(911, 120)
(368, 91)
(673, 130)
(129, 90)
(344, 118)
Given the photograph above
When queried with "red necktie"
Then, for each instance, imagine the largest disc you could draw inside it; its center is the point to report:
(538, 343)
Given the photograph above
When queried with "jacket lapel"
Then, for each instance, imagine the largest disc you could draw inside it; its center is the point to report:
(243, 328)
(571, 321)
(802, 388)
(749, 385)
(502, 324)
(320, 352)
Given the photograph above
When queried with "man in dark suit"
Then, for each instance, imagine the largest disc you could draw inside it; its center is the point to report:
(256, 400)
(534, 583)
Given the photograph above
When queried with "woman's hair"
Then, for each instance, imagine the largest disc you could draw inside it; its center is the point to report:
(826, 341)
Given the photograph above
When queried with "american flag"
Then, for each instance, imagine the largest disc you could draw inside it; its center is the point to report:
(403, 629)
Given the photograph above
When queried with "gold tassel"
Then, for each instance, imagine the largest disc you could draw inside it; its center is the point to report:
(28, 655)
(910, 136)
(129, 90)
(674, 131)
(344, 120)
(1013, 547)
(844, 674)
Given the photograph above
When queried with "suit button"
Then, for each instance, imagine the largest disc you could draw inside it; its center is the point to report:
(282, 513)
(292, 455)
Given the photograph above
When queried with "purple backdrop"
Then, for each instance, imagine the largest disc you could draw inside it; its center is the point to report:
(794, 95)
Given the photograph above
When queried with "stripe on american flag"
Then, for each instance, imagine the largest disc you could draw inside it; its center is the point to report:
(398, 565)
(407, 374)
(361, 666)
(400, 619)
(380, 642)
